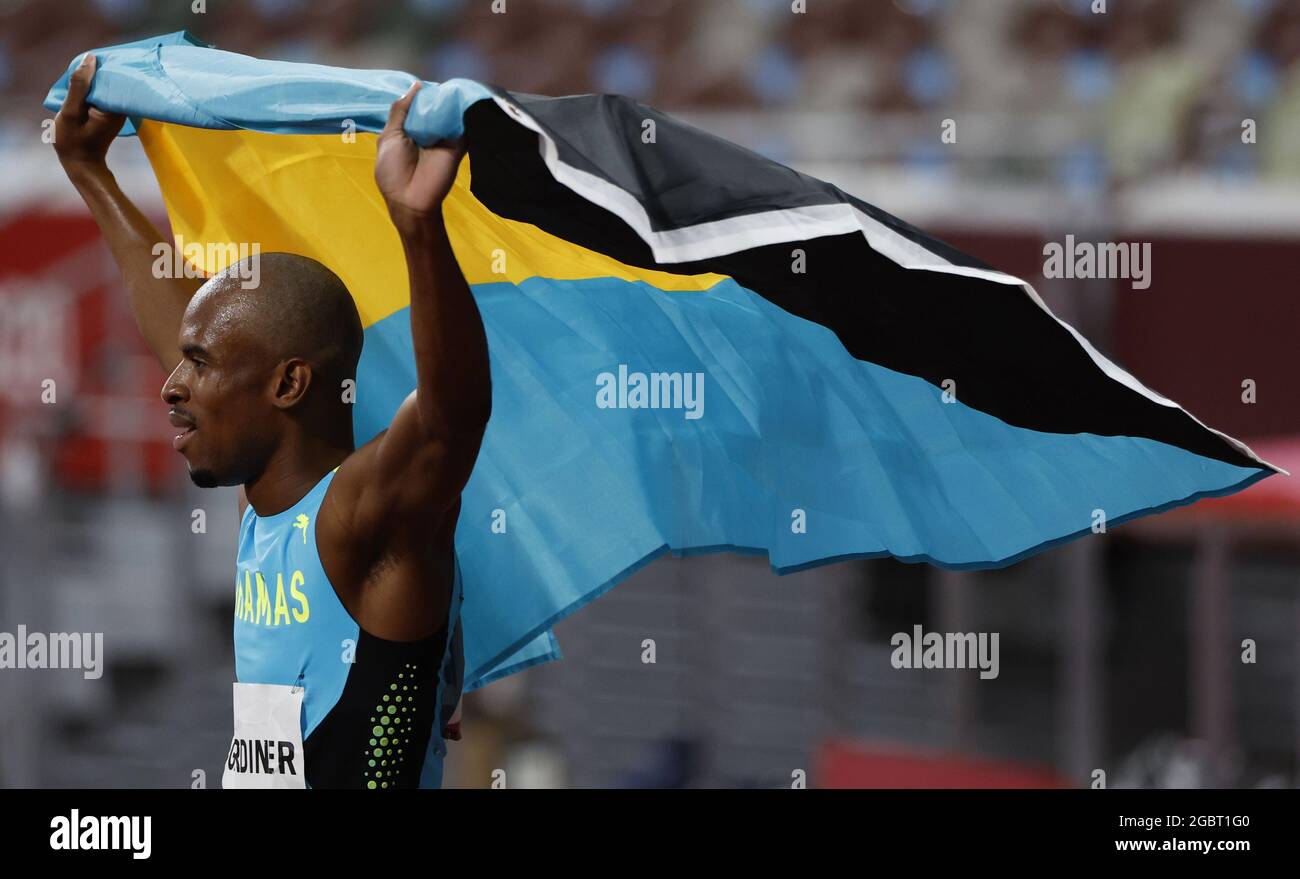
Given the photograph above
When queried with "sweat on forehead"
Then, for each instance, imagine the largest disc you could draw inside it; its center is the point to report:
(297, 308)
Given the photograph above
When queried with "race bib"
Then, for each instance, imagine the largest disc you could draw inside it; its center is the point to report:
(266, 751)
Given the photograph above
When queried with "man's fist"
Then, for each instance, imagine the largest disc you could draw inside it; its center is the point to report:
(413, 181)
(82, 133)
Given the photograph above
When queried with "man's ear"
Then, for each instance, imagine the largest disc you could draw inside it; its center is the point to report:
(292, 379)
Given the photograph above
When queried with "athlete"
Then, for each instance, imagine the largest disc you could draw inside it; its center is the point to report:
(347, 582)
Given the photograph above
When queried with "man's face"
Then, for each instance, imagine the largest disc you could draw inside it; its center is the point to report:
(218, 394)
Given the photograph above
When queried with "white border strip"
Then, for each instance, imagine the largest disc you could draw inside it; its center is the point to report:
(720, 237)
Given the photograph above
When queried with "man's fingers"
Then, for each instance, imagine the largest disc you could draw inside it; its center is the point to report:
(397, 112)
(98, 116)
(456, 148)
(79, 84)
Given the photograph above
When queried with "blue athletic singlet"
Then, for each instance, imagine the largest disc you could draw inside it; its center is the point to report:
(373, 722)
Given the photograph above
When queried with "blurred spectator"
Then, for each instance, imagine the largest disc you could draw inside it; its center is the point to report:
(1157, 80)
(1062, 63)
(1279, 123)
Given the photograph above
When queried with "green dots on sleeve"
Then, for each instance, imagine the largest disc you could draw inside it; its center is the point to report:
(385, 726)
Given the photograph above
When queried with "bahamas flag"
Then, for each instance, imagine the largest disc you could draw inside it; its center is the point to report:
(693, 348)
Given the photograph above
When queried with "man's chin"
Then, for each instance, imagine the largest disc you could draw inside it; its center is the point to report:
(204, 478)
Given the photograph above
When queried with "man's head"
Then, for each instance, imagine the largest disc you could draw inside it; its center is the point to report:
(261, 365)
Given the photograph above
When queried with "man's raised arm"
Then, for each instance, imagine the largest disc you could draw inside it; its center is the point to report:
(82, 135)
(453, 389)
(415, 471)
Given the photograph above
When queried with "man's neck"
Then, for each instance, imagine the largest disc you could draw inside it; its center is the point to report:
(293, 471)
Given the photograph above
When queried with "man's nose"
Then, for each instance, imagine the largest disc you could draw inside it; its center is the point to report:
(174, 390)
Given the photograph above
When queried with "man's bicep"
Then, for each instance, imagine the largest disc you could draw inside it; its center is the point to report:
(404, 472)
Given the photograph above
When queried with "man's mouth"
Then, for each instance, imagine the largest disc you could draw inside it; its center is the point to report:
(178, 420)
(178, 442)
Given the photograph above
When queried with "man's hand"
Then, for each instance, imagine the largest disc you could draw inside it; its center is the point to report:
(82, 133)
(413, 181)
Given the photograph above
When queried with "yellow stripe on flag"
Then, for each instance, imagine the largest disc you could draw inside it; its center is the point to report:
(315, 195)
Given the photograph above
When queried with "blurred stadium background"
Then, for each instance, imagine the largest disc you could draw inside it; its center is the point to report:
(1121, 652)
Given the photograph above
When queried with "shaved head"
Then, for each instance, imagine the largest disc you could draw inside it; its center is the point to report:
(298, 309)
